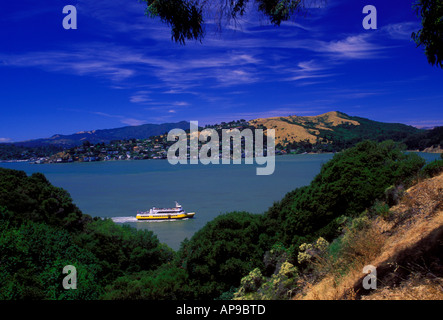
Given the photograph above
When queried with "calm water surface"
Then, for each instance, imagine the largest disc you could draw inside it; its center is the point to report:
(118, 189)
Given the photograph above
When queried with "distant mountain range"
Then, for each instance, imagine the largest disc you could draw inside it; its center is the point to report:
(332, 130)
(106, 135)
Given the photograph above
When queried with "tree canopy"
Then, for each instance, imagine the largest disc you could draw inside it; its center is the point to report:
(431, 34)
(187, 17)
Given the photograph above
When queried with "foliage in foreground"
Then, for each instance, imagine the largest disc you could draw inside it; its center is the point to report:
(42, 231)
(33, 256)
(431, 34)
(187, 18)
(222, 251)
(346, 185)
(432, 169)
(237, 255)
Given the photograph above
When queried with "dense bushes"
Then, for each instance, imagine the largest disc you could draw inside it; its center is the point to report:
(433, 168)
(279, 285)
(35, 199)
(168, 282)
(224, 250)
(122, 249)
(346, 185)
(33, 256)
(42, 231)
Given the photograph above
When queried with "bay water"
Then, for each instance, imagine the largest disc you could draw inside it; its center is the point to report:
(118, 189)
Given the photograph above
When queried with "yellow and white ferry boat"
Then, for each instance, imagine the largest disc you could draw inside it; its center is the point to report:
(165, 213)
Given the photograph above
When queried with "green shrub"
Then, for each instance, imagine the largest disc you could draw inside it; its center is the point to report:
(224, 250)
(433, 168)
(311, 251)
(34, 199)
(274, 258)
(393, 194)
(32, 259)
(381, 209)
(168, 282)
(346, 185)
(280, 285)
(123, 249)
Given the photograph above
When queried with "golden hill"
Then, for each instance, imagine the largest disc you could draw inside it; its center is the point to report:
(406, 247)
(302, 128)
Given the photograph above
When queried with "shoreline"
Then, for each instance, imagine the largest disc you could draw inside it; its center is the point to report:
(31, 161)
(132, 159)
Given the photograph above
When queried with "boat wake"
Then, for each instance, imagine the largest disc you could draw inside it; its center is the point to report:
(124, 219)
(134, 219)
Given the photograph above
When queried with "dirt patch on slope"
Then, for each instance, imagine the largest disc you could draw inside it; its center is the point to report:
(301, 128)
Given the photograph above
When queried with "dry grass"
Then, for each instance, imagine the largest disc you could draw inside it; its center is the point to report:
(284, 130)
(338, 282)
(418, 288)
(401, 248)
(331, 118)
(296, 131)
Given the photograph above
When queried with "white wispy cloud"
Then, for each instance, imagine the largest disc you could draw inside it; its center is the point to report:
(222, 62)
(308, 70)
(132, 121)
(141, 97)
(355, 93)
(180, 103)
(357, 46)
(94, 60)
(402, 30)
(123, 119)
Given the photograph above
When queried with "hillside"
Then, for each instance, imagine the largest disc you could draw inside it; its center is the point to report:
(144, 131)
(331, 128)
(330, 132)
(334, 128)
(405, 246)
(299, 128)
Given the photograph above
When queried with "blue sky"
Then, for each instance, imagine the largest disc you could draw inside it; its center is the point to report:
(121, 68)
